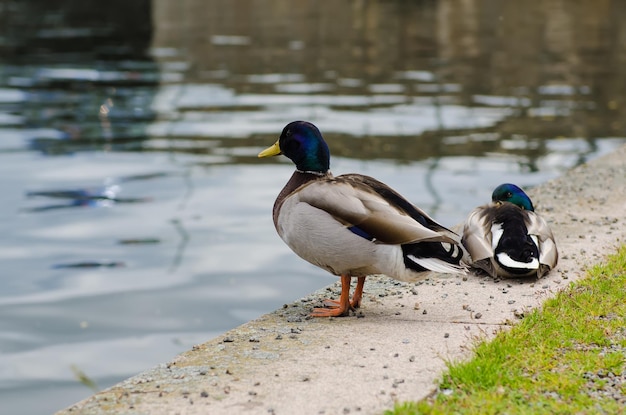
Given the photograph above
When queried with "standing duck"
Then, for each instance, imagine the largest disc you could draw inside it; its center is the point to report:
(353, 225)
(507, 239)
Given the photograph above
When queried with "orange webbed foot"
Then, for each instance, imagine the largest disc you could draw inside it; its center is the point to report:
(334, 308)
(330, 312)
(328, 303)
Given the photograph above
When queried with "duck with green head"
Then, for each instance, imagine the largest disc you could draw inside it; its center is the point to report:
(506, 238)
(353, 225)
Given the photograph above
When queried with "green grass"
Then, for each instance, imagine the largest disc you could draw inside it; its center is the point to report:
(542, 365)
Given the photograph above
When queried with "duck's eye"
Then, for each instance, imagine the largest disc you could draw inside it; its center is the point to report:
(291, 146)
(509, 195)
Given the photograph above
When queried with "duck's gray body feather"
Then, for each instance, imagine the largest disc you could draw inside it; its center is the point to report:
(314, 216)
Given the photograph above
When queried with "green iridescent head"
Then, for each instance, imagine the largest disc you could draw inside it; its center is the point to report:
(303, 143)
(508, 192)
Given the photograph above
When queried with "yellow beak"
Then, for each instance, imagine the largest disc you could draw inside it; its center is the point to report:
(274, 150)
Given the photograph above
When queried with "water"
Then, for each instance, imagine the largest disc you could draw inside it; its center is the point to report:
(136, 218)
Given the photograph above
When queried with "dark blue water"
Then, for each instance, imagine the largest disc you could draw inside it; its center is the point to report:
(136, 217)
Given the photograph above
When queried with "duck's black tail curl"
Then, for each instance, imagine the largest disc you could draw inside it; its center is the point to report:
(423, 256)
(515, 244)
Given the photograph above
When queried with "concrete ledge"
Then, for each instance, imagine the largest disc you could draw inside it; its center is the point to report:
(394, 349)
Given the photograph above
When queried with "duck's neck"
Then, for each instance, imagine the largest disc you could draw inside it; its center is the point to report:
(298, 178)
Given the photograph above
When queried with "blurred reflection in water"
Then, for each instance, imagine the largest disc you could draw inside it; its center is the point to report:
(136, 217)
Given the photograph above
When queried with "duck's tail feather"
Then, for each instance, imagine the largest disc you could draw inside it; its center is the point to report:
(434, 256)
(514, 250)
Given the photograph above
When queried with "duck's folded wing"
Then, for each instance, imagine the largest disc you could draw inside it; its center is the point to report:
(397, 200)
(477, 234)
(548, 253)
(355, 205)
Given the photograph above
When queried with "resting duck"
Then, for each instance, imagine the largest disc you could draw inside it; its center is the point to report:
(353, 225)
(507, 238)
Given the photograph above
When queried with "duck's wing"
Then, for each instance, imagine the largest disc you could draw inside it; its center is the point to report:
(353, 202)
(477, 238)
(400, 203)
(548, 253)
(397, 200)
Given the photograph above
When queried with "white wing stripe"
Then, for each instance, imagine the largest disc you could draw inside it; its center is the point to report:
(435, 264)
(496, 234)
(507, 261)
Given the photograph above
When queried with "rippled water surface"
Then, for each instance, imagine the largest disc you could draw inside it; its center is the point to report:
(136, 218)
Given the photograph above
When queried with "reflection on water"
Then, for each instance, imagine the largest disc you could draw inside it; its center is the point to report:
(129, 133)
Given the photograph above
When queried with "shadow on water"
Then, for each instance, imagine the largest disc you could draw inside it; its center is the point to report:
(129, 133)
(106, 195)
